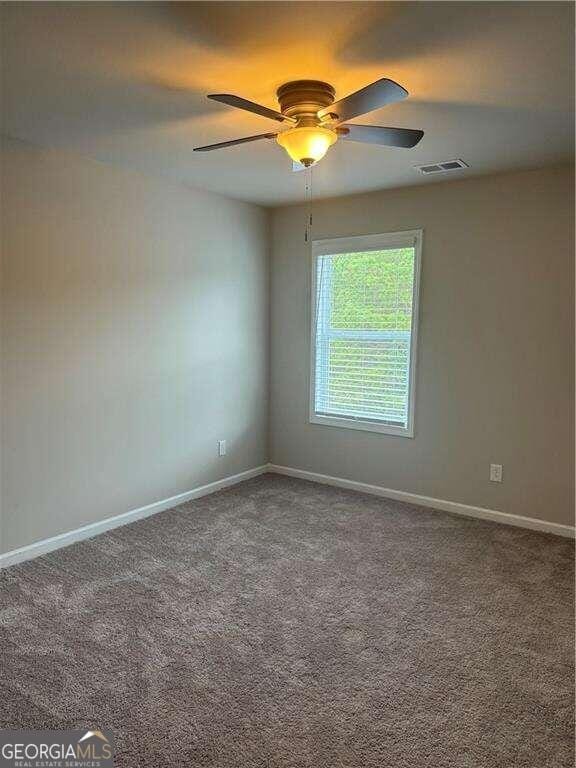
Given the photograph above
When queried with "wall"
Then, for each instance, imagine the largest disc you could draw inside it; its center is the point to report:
(495, 368)
(135, 335)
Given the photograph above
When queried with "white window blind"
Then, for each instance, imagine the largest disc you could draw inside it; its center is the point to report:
(364, 323)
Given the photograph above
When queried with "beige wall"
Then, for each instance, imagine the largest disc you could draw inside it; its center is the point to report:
(495, 368)
(135, 335)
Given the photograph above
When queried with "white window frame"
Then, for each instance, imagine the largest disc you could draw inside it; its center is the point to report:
(386, 240)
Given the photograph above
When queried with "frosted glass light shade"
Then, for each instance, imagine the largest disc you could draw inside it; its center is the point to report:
(307, 145)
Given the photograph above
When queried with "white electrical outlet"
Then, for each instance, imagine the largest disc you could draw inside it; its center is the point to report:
(496, 473)
(221, 447)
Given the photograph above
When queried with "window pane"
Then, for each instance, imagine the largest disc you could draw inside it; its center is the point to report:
(363, 335)
(372, 290)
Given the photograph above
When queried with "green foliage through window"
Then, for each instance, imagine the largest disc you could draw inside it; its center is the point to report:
(373, 290)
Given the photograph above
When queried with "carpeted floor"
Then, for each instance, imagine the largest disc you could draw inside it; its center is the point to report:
(283, 624)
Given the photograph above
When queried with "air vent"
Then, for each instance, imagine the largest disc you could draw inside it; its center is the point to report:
(444, 167)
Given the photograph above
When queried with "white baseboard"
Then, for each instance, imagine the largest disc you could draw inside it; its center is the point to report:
(88, 531)
(428, 501)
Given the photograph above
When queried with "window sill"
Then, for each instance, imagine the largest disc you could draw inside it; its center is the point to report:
(364, 426)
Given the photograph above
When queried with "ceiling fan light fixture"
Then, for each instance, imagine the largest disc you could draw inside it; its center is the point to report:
(307, 144)
(318, 121)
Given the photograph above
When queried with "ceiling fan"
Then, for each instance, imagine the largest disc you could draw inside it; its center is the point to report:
(317, 121)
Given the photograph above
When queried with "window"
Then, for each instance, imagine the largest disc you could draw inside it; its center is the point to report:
(364, 324)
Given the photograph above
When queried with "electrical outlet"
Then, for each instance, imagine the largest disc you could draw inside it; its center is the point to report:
(496, 473)
(221, 447)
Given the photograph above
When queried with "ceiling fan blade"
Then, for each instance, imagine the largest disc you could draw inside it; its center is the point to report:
(233, 142)
(250, 106)
(386, 137)
(367, 99)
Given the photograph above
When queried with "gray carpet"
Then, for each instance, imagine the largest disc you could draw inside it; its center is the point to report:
(283, 624)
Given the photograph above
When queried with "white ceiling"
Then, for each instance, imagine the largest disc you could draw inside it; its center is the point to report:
(125, 83)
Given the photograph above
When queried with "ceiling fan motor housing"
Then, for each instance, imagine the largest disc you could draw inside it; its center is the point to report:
(301, 99)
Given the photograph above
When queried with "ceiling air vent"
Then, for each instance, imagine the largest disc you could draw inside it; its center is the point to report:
(444, 167)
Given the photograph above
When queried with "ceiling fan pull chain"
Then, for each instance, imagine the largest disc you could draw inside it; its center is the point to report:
(308, 200)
